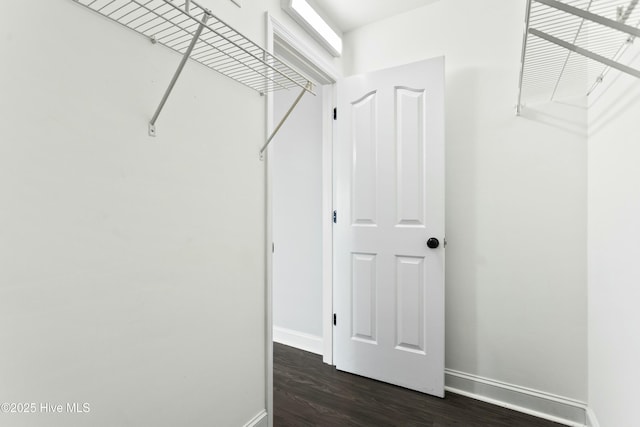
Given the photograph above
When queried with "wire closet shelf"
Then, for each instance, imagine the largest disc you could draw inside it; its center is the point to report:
(196, 33)
(570, 46)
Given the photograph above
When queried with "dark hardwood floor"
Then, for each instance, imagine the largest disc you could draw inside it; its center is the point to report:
(309, 393)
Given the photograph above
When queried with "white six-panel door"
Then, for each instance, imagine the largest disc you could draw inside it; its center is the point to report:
(388, 284)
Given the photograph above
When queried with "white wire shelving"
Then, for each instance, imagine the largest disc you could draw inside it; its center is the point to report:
(197, 34)
(569, 46)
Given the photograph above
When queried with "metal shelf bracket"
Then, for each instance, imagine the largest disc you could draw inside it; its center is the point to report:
(176, 75)
(308, 88)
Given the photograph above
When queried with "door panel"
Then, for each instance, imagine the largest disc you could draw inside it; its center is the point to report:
(388, 285)
(365, 160)
(410, 304)
(363, 288)
(410, 140)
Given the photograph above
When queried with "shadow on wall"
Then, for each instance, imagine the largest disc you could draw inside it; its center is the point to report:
(557, 113)
(461, 219)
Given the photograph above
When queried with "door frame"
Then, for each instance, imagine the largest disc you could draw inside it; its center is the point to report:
(311, 57)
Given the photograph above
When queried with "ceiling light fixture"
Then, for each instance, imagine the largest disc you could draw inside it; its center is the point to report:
(305, 15)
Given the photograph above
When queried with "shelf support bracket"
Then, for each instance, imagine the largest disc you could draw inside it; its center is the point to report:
(523, 56)
(176, 75)
(284, 119)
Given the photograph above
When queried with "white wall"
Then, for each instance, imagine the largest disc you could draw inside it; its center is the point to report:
(131, 268)
(516, 201)
(614, 251)
(296, 157)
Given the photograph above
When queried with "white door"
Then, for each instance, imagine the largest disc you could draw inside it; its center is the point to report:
(389, 285)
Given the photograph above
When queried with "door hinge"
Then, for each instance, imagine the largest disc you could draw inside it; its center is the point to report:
(273, 247)
(335, 217)
(335, 319)
(335, 113)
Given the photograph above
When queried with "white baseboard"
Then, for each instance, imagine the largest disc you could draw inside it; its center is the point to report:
(301, 340)
(260, 420)
(592, 420)
(543, 405)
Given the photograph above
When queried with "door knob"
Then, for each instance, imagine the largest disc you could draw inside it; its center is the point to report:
(433, 243)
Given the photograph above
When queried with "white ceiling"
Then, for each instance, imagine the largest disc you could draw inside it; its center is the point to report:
(350, 14)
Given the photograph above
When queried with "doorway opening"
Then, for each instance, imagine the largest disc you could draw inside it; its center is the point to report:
(299, 207)
(296, 161)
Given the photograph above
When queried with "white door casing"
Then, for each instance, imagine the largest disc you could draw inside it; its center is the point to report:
(388, 285)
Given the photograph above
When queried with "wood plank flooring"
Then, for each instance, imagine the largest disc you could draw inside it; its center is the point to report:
(308, 392)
